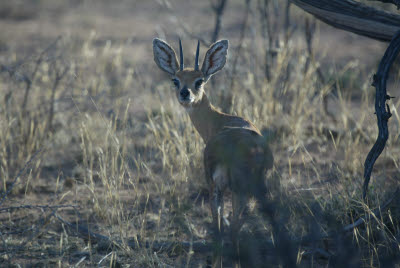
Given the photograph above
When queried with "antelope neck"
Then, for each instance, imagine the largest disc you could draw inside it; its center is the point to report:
(206, 119)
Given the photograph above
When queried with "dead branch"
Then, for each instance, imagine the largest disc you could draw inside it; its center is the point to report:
(83, 231)
(60, 73)
(382, 109)
(364, 20)
(194, 36)
(309, 31)
(354, 17)
(376, 213)
(241, 40)
(287, 23)
(20, 77)
(12, 71)
(218, 9)
(38, 61)
(266, 33)
(394, 2)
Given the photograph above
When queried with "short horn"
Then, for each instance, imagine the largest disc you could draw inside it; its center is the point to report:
(196, 61)
(181, 55)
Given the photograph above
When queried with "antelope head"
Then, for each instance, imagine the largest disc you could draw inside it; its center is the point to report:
(189, 82)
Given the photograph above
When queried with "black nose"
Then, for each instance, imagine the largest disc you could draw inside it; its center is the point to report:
(184, 92)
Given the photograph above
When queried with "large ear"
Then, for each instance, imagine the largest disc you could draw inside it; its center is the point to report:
(165, 56)
(215, 58)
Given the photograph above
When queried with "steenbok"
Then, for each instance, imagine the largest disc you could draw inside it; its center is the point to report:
(236, 155)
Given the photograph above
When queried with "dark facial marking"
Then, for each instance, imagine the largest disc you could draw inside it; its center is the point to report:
(176, 82)
(198, 84)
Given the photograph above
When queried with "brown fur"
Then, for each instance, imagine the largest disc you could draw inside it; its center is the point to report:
(236, 154)
(236, 157)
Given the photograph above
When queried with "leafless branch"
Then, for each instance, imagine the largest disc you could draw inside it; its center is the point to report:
(218, 8)
(354, 17)
(336, 234)
(263, 9)
(269, 33)
(60, 73)
(38, 61)
(21, 77)
(12, 71)
(195, 36)
(287, 32)
(309, 31)
(381, 108)
(364, 20)
(394, 2)
(241, 40)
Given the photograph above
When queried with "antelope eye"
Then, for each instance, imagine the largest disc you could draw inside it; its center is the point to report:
(176, 82)
(198, 83)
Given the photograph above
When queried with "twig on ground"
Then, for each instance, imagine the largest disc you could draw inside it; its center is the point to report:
(83, 231)
(102, 259)
(41, 223)
(313, 251)
(5, 194)
(80, 261)
(376, 213)
(7, 209)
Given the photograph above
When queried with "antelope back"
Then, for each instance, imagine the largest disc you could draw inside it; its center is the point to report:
(244, 153)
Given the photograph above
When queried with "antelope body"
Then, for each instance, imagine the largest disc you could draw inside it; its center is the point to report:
(236, 154)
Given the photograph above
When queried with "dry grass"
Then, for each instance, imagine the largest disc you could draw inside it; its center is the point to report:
(101, 132)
